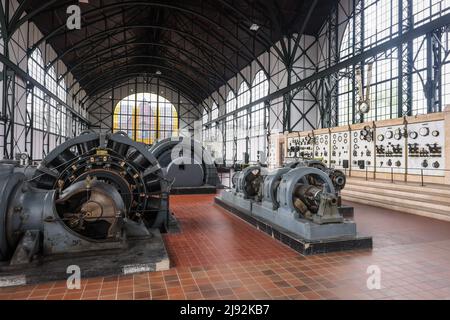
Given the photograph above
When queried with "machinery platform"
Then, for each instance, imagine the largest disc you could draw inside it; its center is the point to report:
(144, 255)
(302, 246)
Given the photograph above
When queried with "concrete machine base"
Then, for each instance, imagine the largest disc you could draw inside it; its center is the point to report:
(302, 245)
(143, 255)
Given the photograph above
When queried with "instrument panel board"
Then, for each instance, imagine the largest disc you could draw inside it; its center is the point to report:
(426, 151)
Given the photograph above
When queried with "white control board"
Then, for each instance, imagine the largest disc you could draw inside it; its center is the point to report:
(272, 153)
(426, 148)
(363, 149)
(415, 148)
(390, 149)
(340, 150)
(322, 147)
(300, 147)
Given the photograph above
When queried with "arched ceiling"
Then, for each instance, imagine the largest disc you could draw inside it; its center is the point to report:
(197, 44)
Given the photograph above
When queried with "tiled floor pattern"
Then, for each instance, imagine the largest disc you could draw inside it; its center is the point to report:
(217, 256)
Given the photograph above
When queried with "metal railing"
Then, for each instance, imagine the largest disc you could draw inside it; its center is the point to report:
(406, 174)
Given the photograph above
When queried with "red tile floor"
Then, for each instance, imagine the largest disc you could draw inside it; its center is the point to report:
(218, 256)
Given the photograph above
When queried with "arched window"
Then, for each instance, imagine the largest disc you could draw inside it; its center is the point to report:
(384, 90)
(50, 111)
(380, 21)
(205, 118)
(243, 95)
(230, 106)
(35, 100)
(231, 102)
(36, 66)
(243, 99)
(258, 141)
(214, 112)
(380, 25)
(260, 86)
(62, 94)
(146, 117)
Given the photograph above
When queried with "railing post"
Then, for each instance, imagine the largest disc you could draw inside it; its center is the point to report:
(392, 175)
(421, 176)
(366, 173)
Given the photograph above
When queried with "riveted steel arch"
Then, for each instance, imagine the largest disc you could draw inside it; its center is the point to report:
(185, 88)
(184, 77)
(136, 3)
(122, 28)
(128, 56)
(104, 89)
(186, 53)
(130, 65)
(122, 84)
(16, 23)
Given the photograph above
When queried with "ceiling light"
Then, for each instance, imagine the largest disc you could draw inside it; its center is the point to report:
(254, 27)
(158, 72)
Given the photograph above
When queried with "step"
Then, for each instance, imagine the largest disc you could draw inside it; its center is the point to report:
(397, 185)
(389, 190)
(439, 215)
(425, 205)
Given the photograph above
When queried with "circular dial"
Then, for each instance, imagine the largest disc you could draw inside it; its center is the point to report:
(380, 137)
(435, 133)
(363, 107)
(424, 131)
(413, 135)
(389, 134)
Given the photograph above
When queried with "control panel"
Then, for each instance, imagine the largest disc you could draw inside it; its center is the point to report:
(416, 147)
(426, 148)
(322, 147)
(300, 147)
(363, 149)
(272, 152)
(340, 150)
(390, 149)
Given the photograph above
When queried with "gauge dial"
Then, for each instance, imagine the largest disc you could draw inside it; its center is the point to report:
(413, 135)
(424, 131)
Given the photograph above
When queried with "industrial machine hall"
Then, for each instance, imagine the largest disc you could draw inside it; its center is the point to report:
(237, 150)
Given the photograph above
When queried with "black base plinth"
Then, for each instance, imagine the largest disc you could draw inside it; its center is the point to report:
(194, 190)
(347, 212)
(143, 255)
(302, 246)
